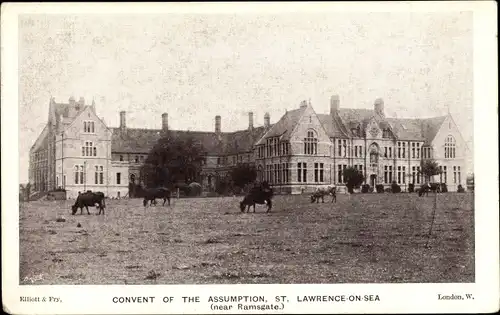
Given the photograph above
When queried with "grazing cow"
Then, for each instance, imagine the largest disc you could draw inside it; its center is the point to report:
(151, 194)
(261, 194)
(89, 199)
(320, 193)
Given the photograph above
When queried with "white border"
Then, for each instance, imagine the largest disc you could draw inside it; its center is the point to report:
(407, 298)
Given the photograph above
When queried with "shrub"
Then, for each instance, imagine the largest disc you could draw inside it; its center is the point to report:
(444, 188)
(388, 190)
(370, 190)
(395, 188)
(411, 188)
(380, 188)
(460, 189)
(365, 188)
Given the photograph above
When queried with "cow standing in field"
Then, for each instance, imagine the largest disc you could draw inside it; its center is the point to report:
(320, 193)
(425, 188)
(151, 194)
(261, 194)
(89, 199)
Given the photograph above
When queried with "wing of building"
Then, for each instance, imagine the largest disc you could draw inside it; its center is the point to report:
(300, 152)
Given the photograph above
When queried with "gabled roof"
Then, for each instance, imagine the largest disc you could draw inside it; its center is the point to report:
(431, 126)
(330, 125)
(41, 141)
(284, 127)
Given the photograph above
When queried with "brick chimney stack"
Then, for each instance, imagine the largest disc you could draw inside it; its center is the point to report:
(250, 120)
(123, 124)
(164, 121)
(267, 120)
(334, 104)
(217, 124)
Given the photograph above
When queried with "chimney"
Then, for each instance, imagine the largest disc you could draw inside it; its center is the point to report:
(71, 101)
(122, 120)
(379, 106)
(164, 121)
(334, 104)
(267, 120)
(303, 104)
(81, 101)
(217, 124)
(93, 105)
(250, 120)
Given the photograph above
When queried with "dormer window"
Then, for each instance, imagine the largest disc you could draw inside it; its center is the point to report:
(88, 126)
(386, 133)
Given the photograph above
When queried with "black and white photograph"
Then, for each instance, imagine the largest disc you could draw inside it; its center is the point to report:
(188, 148)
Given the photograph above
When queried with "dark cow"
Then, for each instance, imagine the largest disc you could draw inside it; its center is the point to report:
(320, 193)
(151, 194)
(259, 194)
(425, 188)
(89, 199)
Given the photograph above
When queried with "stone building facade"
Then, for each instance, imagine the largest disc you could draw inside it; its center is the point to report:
(303, 150)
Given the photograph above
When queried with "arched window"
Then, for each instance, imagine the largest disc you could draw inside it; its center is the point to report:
(311, 143)
(449, 147)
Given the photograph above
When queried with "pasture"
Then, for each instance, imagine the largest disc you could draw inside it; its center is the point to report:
(364, 238)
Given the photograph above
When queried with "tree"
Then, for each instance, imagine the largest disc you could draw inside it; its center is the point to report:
(174, 158)
(429, 168)
(353, 178)
(243, 174)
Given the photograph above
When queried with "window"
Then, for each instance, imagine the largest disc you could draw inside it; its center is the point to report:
(399, 150)
(385, 151)
(418, 150)
(316, 172)
(299, 172)
(445, 175)
(121, 157)
(459, 177)
(413, 168)
(419, 175)
(390, 174)
(345, 148)
(399, 174)
(311, 143)
(101, 175)
(440, 174)
(356, 151)
(339, 174)
(118, 178)
(88, 126)
(88, 149)
(321, 172)
(454, 174)
(404, 175)
(404, 150)
(340, 148)
(385, 174)
(390, 152)
(413, 150)
(449, 148)
(386, 133)
(136, 159)
(360, 151)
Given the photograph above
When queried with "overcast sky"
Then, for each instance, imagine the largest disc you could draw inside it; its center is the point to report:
(197, 66)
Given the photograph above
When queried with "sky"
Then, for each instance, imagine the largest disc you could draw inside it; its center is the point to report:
(197, 66)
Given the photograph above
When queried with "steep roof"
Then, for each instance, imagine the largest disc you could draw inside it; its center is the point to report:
(431, 126)
(41, 141)
(331, 125)
(284, 127)
(407, 128)
(243, 140)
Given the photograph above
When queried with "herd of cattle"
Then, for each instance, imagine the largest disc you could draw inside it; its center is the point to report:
(259, 194)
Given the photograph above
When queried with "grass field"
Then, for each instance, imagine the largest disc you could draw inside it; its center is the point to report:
(365, 238)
